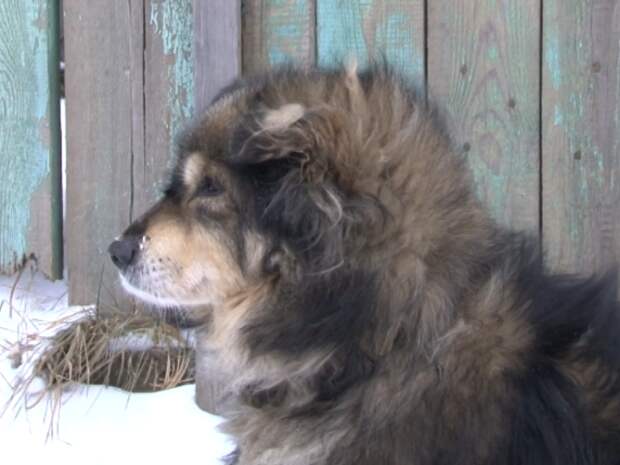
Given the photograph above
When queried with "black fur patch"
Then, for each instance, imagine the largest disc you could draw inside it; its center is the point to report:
(549, 427)
(574, 318)
(564, 308)
(324, 311)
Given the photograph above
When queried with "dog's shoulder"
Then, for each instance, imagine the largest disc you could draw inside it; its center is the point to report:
(569, 392)
(540, 351)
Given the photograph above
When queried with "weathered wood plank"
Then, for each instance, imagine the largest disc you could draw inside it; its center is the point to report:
(276, 32)
(169, 91)
(104, 73)
(581, 133)
(484, 73)
(217, 42)
(192, 49)
(30, 192)
(373, 29)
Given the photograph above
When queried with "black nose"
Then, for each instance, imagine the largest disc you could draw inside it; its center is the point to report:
(124, 251)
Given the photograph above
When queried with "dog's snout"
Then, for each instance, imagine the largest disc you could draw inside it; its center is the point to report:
(124, 251)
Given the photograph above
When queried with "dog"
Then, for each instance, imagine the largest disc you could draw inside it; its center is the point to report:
(322, 234)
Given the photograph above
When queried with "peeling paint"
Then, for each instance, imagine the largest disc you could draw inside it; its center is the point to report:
(558, 118)
(397, 28)
(580, 154)
(283, 30)
(172, 21)
(340, 31)
(25, 158)
(369, 30)
(552, 58)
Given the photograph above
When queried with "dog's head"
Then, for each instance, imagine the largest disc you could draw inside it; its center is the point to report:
(301, 187)
(257, 197)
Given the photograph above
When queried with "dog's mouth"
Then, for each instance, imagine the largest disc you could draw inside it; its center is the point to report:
(181, 297)
(128, 281)
(150, 278)
(173, 311)
(156, 296)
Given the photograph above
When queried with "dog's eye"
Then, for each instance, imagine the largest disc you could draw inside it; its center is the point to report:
(209, 187)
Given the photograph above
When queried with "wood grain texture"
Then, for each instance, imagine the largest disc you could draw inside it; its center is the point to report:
(373, 29)
(169, 92)
(484, 72)
(30, 196)
(217, 42)
(277, 32)
(192, 49)
(581, 134)
(104, 54)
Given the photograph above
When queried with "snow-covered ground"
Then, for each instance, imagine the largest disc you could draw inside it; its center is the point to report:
(96, 425)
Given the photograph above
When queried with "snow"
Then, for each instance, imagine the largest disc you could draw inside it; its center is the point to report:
(96, 425)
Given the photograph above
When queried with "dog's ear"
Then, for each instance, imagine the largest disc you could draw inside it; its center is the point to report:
(284, 154)
(268, 134)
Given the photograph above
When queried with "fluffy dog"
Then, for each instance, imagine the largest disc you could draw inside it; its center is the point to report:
(323, 234)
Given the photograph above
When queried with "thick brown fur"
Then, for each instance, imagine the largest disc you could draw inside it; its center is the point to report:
(365, 308)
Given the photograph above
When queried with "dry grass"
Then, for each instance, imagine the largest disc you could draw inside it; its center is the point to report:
(130, 350)
(135, 352)
(97, 350)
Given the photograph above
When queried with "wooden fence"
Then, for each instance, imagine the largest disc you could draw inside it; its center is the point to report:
(530, 90)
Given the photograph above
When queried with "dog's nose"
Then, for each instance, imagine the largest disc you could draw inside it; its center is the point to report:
(124, 251)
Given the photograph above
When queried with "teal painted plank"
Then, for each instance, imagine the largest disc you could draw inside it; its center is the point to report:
(483, 73)
(169, 92)
(30, 203)
(581, 134)
(372, 29)
(277, 32)
(172, 23)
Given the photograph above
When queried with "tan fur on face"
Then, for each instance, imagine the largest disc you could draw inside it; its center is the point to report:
(184, 264)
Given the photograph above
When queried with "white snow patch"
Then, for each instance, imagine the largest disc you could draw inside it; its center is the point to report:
(95, 425)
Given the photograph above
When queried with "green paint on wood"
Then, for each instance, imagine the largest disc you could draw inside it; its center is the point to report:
(552, 52)
(284, 33)
(580, 133)
(484, 74)
(28, 156)
(276, 32)
(370, 30)
(340, 34)
(582, 157)
(173, 21)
